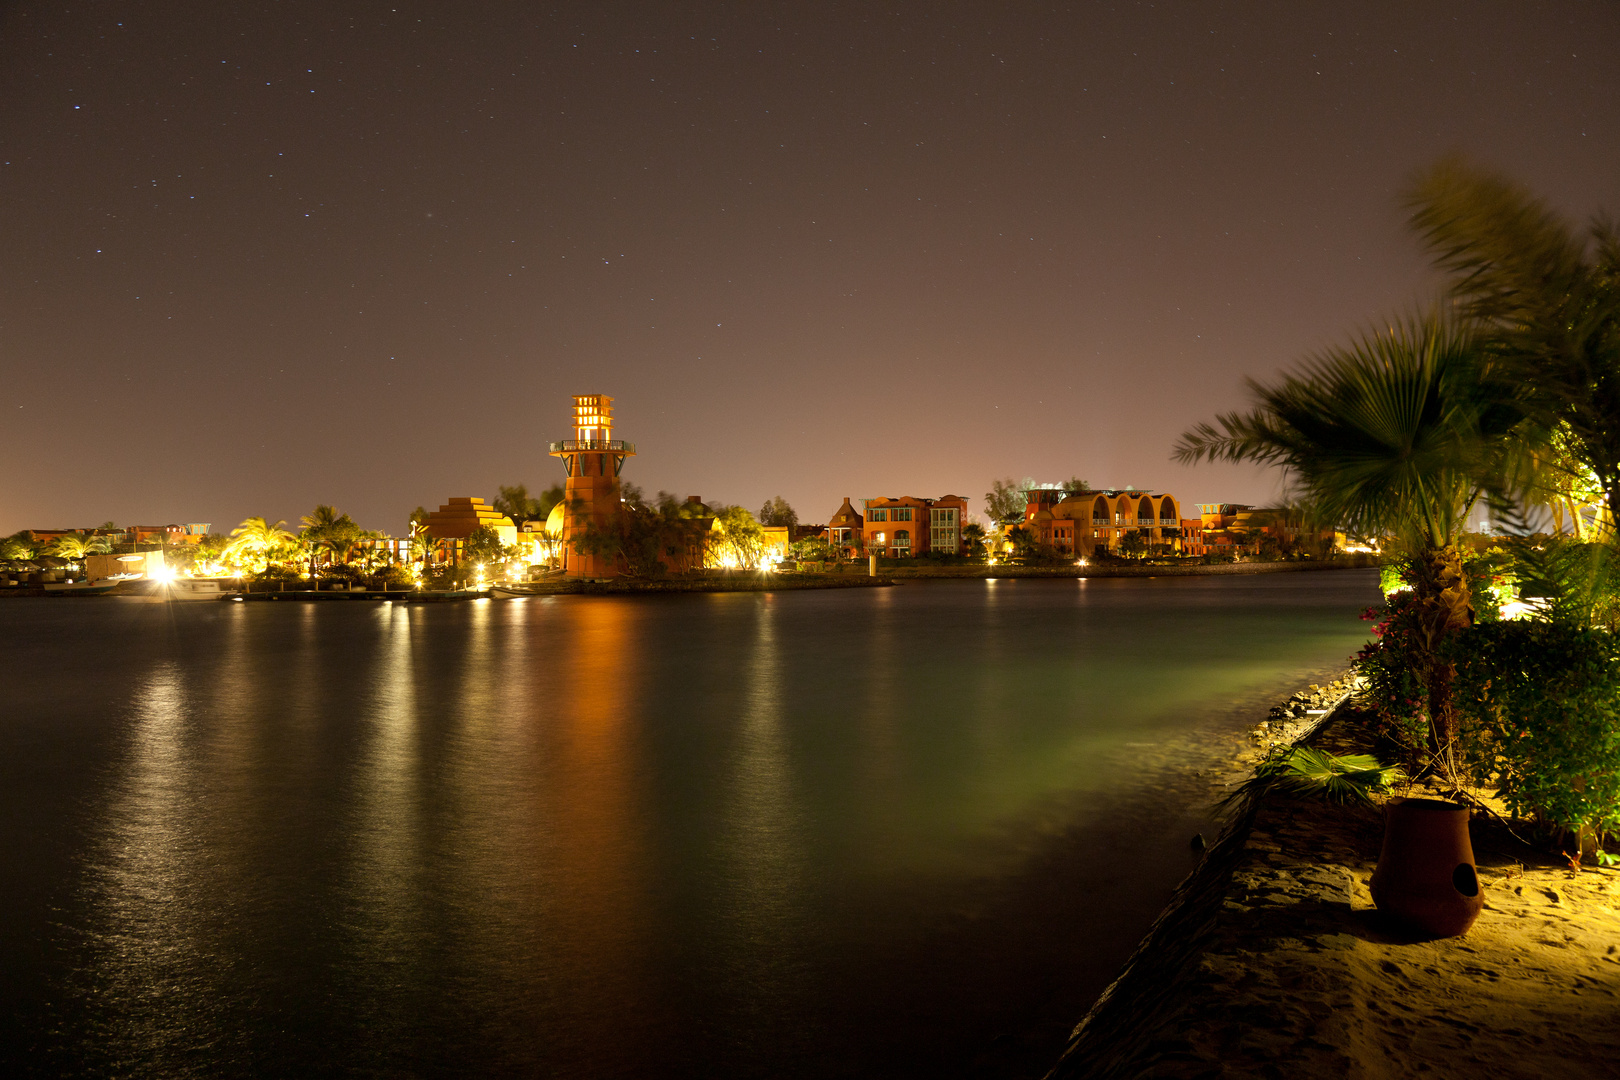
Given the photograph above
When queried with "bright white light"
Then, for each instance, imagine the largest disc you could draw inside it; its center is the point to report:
(163, 574)
(1523, 609)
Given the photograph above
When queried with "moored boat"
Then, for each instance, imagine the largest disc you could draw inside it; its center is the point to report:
(187, 590)
(429, 596)
(81, 588)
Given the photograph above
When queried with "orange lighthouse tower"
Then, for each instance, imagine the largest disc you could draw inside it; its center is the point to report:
(593, 458)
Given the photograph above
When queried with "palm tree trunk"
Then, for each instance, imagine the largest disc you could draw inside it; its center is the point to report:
(1445, 607)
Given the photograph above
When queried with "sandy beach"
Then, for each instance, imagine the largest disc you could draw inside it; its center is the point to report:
(1272, 961)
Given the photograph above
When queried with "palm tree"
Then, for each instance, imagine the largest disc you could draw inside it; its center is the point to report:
(973, 539)
(1548, 300)
(516, 503)
(329, 529)
(1395, 436)
(317, 527)
(256, 537)
(74, 547)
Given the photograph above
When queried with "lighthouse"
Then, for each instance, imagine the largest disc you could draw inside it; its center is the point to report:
(593, 458)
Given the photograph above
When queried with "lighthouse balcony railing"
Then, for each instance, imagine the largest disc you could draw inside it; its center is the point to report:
(575, 446)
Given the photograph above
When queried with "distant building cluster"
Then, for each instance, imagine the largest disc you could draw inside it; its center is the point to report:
(592, 532)
(1233, 530)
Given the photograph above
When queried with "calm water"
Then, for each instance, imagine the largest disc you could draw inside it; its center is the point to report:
(801, 834)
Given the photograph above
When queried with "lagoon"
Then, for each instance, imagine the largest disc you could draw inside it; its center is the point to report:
(847, 833)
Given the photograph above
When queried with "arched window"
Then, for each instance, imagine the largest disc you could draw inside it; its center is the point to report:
(1144, 511)
(902, 538)
(1099, 511)
(1167, 512)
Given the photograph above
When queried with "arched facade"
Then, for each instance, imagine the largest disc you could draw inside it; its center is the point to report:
(1078, 523)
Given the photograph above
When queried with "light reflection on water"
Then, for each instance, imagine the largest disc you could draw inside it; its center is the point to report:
(840, 833)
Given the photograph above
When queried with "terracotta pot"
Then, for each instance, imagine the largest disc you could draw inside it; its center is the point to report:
(1426, 881)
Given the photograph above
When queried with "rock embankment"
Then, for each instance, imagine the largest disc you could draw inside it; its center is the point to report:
(1302, 713)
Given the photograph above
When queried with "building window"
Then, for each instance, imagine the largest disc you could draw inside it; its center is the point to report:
(902, 513)
(878, 515)
(902, 538)
(943, 517)
(878, 539)
(943, 540)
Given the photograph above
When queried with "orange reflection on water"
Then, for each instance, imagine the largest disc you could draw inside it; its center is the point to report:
(600, 906)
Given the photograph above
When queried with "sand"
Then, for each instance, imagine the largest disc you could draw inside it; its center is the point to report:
(1273, 962)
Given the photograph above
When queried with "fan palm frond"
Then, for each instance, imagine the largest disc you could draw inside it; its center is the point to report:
(1311, 773)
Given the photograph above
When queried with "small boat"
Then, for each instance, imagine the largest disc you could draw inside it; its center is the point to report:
(430, 596)
(146, 590)
(510, 591)
(81, 588)
(189, 590)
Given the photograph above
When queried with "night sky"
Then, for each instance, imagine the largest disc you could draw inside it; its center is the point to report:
(260, 256)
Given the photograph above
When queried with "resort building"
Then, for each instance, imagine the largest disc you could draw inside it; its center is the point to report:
(1235, 529)
(1192, 537)
(190, 533)
(1079, 522)
(777, 539)
(846, 530)
(452, 523)
(144, 563)
(908, 526)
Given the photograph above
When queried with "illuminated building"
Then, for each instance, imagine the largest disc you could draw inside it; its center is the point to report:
(452, 523)
(846, 530)
(1080, 522)
(594, 459)
(1192, 537)
(908, 526)
(1234, 529)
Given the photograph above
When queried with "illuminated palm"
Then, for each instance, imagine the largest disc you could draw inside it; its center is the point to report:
(14, 547)
(422, 545)
(1396, 436)
(1549, 300)
(329, 529)
(75, 548)
(256, 538)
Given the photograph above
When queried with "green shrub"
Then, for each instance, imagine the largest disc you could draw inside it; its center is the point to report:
(1540, 709)
(394, 576)
(1394, 692)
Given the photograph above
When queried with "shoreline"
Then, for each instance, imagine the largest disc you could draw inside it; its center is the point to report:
(784, 582)
(1127, 570)
(1271, 959)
